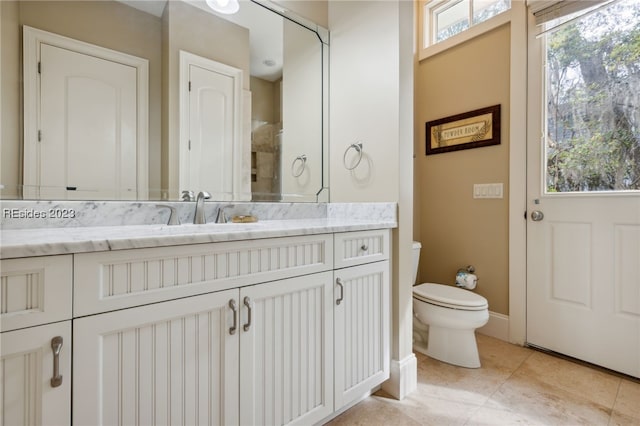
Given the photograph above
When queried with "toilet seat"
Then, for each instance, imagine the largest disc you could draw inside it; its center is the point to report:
(449, 297)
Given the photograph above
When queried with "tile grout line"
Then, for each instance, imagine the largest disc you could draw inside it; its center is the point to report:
(615, 400)
(503, 383)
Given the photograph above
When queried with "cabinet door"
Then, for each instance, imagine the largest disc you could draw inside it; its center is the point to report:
(35, 291)
(362, 351)
(286, 373)
(168, 363)
(27, 395)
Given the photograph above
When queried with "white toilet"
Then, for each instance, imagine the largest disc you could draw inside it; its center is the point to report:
(445, 319)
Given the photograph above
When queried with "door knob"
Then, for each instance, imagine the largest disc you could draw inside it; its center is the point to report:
(537, 215)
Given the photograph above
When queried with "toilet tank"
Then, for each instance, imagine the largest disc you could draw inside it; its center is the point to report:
(416, 259)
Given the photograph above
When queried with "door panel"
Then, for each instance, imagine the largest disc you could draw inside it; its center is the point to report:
(570, 259)
(26, 368)
(627, 269)
(362, 330)
(89, 127)
(287, 352)
(174, 362)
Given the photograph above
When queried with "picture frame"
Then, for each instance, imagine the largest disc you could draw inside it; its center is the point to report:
(472, 129)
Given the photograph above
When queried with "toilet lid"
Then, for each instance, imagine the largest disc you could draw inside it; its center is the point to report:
(450, 297)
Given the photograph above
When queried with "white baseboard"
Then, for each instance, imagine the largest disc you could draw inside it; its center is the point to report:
(403, 377)
(497, 326)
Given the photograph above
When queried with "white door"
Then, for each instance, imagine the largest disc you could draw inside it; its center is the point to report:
(286, 350)
(174, 362)
(27, 365)
(583, 239)
(211, 146)
(88, 133)
(361, 330)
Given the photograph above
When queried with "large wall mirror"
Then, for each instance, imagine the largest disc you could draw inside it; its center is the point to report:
(149, 99)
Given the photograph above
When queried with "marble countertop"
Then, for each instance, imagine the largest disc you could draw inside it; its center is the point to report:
(15, 243)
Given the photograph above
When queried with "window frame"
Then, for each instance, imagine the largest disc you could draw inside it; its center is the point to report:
(427, 7)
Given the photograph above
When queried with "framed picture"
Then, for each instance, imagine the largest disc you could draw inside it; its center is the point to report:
(471, 129)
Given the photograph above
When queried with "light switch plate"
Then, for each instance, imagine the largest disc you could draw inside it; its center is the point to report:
(488, 190)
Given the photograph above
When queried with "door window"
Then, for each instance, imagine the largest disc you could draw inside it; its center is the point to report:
(592, 112)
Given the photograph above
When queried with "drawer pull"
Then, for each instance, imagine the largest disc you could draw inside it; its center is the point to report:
(234, 307)
(247, 303)
(364, 247)
(56, 345)
(341, 298)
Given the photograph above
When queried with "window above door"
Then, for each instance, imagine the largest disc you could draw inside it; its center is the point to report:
(445, 23)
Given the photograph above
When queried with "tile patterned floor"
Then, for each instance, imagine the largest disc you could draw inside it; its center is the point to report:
(514, 386)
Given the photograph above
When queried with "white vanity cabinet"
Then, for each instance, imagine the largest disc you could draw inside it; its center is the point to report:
(35, 344)
(271, 331)
(250, 347)
(362, 304)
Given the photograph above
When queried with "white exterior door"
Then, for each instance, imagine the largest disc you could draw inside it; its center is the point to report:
(88, 145)
(27, 395)
(174, 362)
(583, 247)
(286, 350)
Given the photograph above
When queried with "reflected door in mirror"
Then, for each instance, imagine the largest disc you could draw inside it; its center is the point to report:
(82, 121)
(211, 133)
(88, 108)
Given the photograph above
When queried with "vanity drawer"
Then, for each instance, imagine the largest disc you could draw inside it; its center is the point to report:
(107, 281)
(357, 248)
(35, 290)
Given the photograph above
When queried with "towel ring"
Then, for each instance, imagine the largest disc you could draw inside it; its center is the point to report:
(303, 163)
(358, 148)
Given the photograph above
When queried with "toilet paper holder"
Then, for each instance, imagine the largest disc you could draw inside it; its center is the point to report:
(466, 278)
(469, 268)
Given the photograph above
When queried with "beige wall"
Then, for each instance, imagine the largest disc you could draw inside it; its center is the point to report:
(314, 10)
(455, 229)
(107, 24)
(11, 106)
(186, 27)
(263, 100)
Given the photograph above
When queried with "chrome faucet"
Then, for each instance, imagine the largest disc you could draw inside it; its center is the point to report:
(199, 218)
(221, 217)
(173, 214)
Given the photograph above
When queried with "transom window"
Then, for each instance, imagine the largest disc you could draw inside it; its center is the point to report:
(446, 18)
